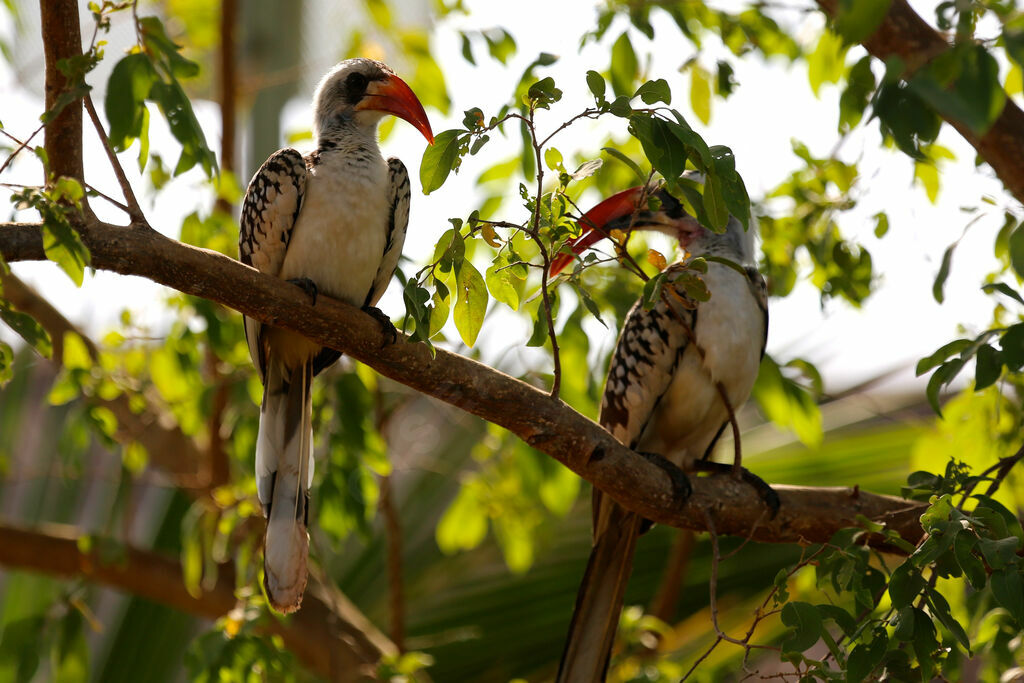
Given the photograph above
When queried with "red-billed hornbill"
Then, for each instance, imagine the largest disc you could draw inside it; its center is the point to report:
(662, 394)
(332, 222)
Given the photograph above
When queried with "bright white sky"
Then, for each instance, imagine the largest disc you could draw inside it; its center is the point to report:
(772, 105)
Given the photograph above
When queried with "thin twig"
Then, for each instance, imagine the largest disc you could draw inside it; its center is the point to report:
(134, 210)
(21, 146)
(556, 381)
(107, 197)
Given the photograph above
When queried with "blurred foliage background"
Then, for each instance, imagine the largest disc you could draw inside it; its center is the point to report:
(456, 540)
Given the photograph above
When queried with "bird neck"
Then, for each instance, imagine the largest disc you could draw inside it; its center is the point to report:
(346, 135)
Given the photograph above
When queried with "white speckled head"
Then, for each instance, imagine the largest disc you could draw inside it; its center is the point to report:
(340, 90)
(357, 93)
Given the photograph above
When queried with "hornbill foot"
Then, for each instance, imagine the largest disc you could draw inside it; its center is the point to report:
(386, 325)
(308, 286)
(681, 488)
(766, 492)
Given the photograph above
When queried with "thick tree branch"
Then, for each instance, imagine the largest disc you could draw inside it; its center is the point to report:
(904, 34)
(62, 39)
(316, 634)
(807, 514)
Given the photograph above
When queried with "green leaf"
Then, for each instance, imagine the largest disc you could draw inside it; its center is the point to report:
(467, 49)
(539, 336)
(500, 44)
(652, 290)
(470, 302)
(1016, 246)
(940, 279)
(6, 363)
(663, 149)
(654, 91)
(963, 84)
(714, 203)
(125, 103)
(64, 247)
(940, 608)
(805, 621)
(881, 224)
(1012, 344)
(856, 20)
(944, 352)
(827, 62)
(441, 308)
(1003, 288)
(787, 404)
(439, 159)
(464, 524)
(624, 67)
(989, 367)
(1008, 590)
(1013, 525)
(866, 657)
(544, 92)
(501, 285)
(595, 82)
(999, 553)
(19, 647)
(945, 374)
(633, 166)
(27, 328)
(184, 125)
(905, 584)
(700, 93)
(860, 84)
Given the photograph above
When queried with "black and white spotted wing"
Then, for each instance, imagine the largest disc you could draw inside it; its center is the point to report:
(269, 211)
(644, 363)
(398, 223)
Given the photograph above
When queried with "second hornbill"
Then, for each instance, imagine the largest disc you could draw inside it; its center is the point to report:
(663, 394)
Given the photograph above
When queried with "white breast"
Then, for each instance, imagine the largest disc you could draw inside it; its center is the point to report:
(730, 329)
(339, 237)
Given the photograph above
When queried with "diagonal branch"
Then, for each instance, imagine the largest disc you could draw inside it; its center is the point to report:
(316, 635)
(808, 514)
(170, 451)
(904, 34)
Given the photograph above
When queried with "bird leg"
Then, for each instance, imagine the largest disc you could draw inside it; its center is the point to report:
(766, 492)
(681, 488)
(308, 286)
(387, 327)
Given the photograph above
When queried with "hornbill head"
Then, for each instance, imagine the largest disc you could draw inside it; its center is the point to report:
(360, 92)
(624, 211)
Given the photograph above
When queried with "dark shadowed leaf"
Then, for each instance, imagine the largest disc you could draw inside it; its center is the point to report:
(805, 621)
(857, 19)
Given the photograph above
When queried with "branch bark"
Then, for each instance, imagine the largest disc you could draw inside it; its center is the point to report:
(62, 39)
(904, 34)
(316, 635)
(808, 514)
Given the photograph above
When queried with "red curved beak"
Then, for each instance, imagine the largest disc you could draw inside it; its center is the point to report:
(393, 96)
(617, 206)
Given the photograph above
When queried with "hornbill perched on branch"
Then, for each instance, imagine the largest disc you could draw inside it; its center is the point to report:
(679, 372)
(331, 222)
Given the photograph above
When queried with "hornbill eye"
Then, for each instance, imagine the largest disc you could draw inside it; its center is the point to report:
(355, 84)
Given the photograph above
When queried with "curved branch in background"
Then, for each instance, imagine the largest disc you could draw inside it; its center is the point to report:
(807, 514)
(316, 635)
(170, 451)
(904, 34)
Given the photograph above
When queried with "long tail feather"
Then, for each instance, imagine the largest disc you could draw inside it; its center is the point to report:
(588, 647)
(284, 469)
